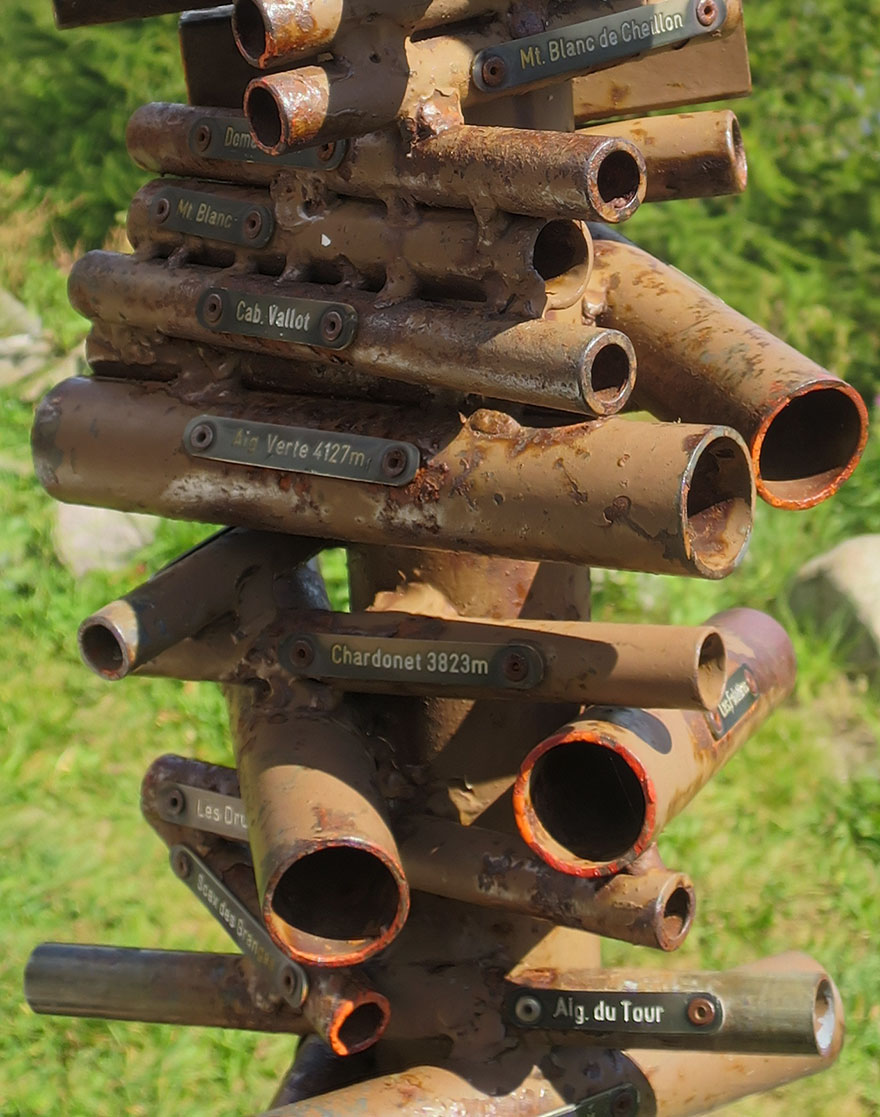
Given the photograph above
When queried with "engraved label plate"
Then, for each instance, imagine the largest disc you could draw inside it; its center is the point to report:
(582, 46)
(355, 457)
(740, 694)
(610, 1103)
(244, 930)
(229, 137)
(609, 1012)
(212, 216)
(301, 321)
(203, 810)
(441, 663)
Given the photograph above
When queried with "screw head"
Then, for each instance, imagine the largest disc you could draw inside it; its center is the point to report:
(528, 1009)
(202, 139)
(181, 864)
(253, 224)
(302, 653)
(701, 1011)
(201, 436)
(326, 152)
(707, 12)
(162, 210)
(515, 667)
(331, 325)
(394, 461)
(172, 800)
(213, 307)
(493, 71)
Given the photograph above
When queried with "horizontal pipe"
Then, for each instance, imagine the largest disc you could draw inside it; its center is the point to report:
(154, 986)
(83, 13)
(575, 176)
(805, 428)
(644, 496)
(687, 155)
(331, 885)
(184, 597)
(567, 366)
(595, 795)
(528, 266)
(770, 1012)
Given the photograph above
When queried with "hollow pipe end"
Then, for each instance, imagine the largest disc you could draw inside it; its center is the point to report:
(267, 35)
(286, 111)
(608, 372)
(736, 150)
(674, 912)
(717, 500)
(617, 180)
(357, 1023)
(711, 669)
(107, 641)
(809, 444)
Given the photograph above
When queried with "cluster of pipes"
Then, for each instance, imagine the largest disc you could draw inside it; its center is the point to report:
(376, 298)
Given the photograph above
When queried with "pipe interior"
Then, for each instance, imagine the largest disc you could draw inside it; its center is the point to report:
(338, 893)
(264, 116)
(618, 179)
(561, 257)
(719, 504)
(678, 912)
(811, 440)
(712, 669)
(250, 31)
(588, 799)
(738, 152)
(609, 372)
(361, 1027)
(824, 1016)
(102, 650)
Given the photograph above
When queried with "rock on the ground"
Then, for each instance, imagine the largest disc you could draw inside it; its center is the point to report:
(841, 589)
(99, 538)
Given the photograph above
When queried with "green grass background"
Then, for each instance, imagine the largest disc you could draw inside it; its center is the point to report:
(783, 845)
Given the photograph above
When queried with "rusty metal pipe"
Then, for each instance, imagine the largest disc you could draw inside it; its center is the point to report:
(566, 366)
(331, 884)
(479, 866)
(527, 266)
(594, 796)
(83, 13)
(648, 496)
(575, 176)
(353, 1015)
(805, 428)
(184, 597)
(687, 155)
(154, 986)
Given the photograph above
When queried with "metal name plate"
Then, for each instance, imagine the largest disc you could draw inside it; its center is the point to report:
(740, 694)
(620, 1101)
(200, 809)
(580, 47)
(389, 659)
(301, 321)
(354, 457)
(244, 930)
(672, 1014)
(212, 216)
(229, 137)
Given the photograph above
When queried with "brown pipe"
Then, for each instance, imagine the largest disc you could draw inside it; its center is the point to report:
(594, 796)
(331, 885)
(354, 1014)
(562, 175)
(805, 428)
(648, 496)
(687, 155)
(567, 366)
(528, 266)
(83, 13)
(181, 599)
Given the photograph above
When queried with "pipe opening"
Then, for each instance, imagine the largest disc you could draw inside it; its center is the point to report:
(561, 257)
(264, 115)
(678, 911)
(361, 1027)
(810, 445)
(102, 649)
(711, 670)
(824, 1016)
(338, 893)
(588, 799)
(618, 179)
(718, 516)
(249, 30)
(737, 151)
(610, 371)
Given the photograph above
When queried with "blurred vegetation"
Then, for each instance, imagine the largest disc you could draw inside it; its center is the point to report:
(783, 845)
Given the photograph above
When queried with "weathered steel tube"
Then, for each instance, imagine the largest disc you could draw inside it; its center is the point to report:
(593, 796)
(82, 13)
(329, 876)
(805, 428)
(180, 600)
(768, 1011)
(479, 866)
(563, 175)
(644, 496)
(155, 986)
(566, 366)
(346, 1011)
(529, 265)
(666, 665)
(687, 155)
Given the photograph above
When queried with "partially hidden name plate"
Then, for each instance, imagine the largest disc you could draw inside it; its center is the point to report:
(225, 310)
(740, 695)
(594, 42)
(230, 138)
(354, 457)
(210, 215)
(659, 1013)
(436, 662)
(200, 809)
